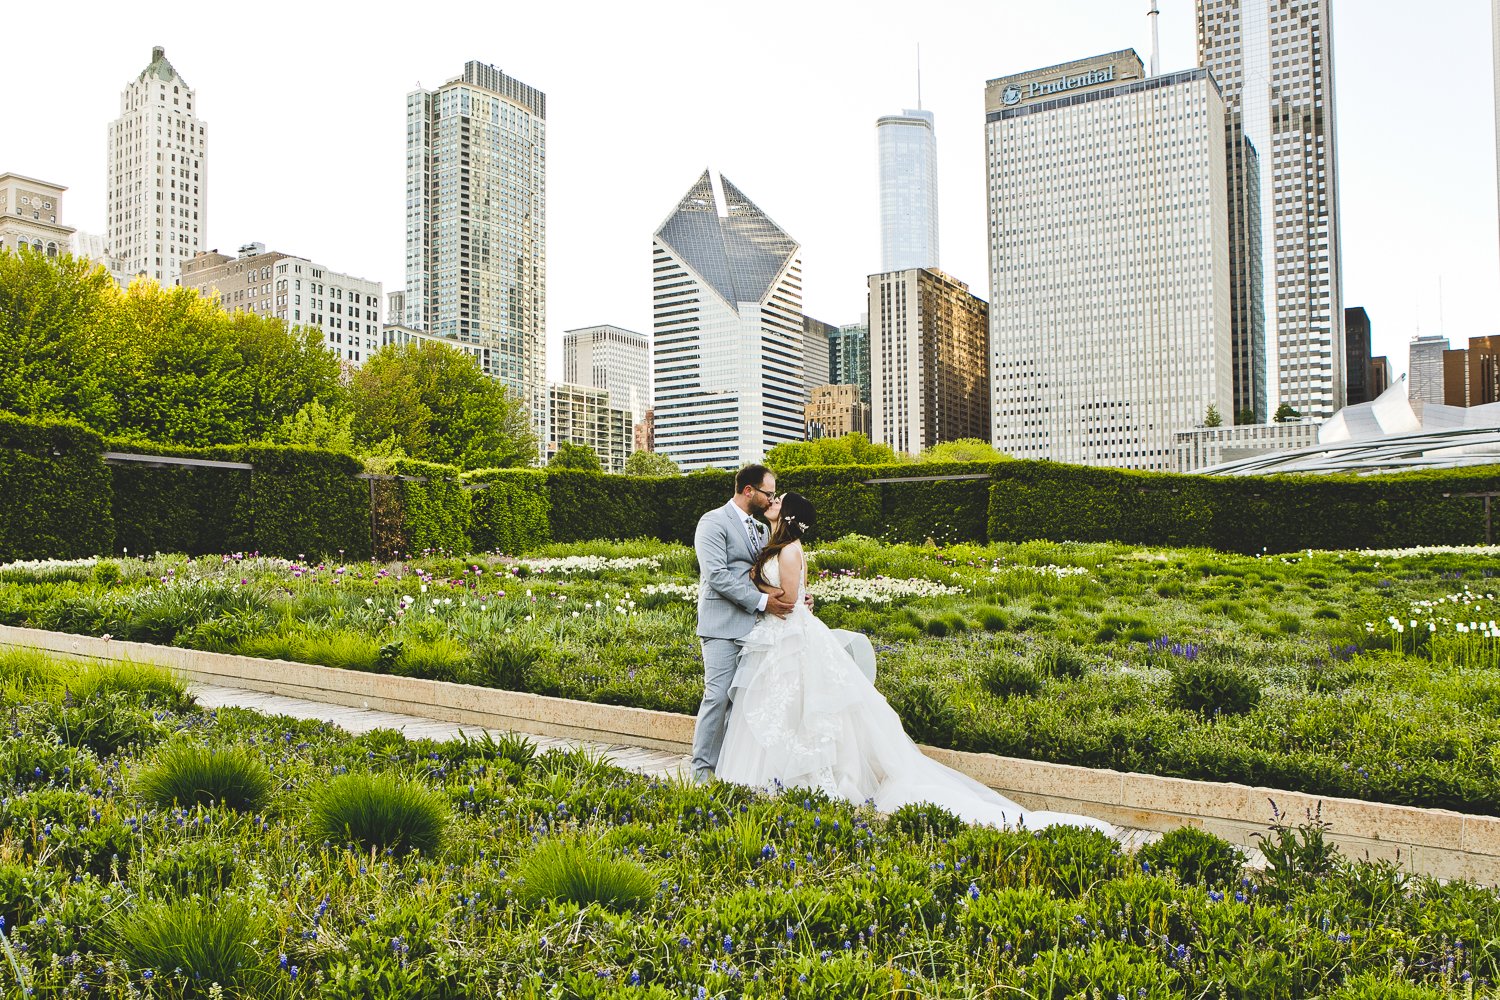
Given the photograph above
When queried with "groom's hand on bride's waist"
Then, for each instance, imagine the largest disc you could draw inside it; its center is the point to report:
(778, 605)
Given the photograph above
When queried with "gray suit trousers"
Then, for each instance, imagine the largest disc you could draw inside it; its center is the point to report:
(721, 657)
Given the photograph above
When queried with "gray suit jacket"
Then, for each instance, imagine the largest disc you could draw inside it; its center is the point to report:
(727, 600)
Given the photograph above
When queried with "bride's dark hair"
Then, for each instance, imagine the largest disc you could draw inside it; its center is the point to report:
(797, 519)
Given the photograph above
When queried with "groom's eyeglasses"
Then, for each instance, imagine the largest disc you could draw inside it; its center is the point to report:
(766, 493)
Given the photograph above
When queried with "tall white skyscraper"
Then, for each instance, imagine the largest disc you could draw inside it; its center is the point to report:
(908, 190)
(1424, 368)
(726, 362)
(476, 223)
(1109, 261)
(1273, 61)
(158, 175)
(614, 359)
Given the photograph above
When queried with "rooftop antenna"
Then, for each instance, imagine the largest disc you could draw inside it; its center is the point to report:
(1155, 39)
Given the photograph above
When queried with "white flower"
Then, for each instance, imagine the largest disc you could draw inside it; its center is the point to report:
(877, 590)
(567, 565)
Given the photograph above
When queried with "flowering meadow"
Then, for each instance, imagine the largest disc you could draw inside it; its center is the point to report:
(148, 849)
(1372, 675)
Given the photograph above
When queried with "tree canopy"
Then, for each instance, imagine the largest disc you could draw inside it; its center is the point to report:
(963, 450)
(850, 449)
(650, 463)
(575, 456)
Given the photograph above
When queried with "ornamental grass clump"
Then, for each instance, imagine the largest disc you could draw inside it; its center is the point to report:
(187, 947)
(1006, 677)
(1211, 688)
(1195, 857)
(578, 872)
(380, 812)
(152, 685)
(189, 774)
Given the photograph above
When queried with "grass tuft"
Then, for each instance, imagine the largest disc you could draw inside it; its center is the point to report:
(379, 811)
(191, 945)
(188, 774)
(576, 872)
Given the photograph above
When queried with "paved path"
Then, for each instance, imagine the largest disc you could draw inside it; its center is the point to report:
(656, 763)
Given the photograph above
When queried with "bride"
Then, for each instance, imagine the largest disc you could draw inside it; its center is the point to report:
(805, 715)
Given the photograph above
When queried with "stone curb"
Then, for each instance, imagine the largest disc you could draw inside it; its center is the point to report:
(1436, 842)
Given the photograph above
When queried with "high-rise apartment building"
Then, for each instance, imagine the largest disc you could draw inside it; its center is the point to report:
(908, 190)
(817, 338)
(1358, 354)
(1110, 307)
(1424, 368)
(30, 216)
(1471, 377)
(836, 410)
(476, 223)
(158, 175)
(614, 359)
(1273, 61)
(583, 415)
(295, 290)
(929, 338)
(849, 357)
(726, 341)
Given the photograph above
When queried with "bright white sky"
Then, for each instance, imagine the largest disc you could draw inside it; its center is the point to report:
(305, 106)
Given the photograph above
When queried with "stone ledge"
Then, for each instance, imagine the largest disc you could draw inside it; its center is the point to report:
(1436, 842)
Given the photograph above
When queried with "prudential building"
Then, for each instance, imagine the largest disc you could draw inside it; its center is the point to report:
(1110, 321)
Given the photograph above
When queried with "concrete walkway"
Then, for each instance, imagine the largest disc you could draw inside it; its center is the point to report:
(654, 763)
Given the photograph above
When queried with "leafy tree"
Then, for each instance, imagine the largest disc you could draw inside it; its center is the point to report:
(963, 450)
(1246, 416)
(575, 456)
(440, 407)
(650, 463)
(317, 426)
(1284, 412)
(850, 449)
(1212, 418)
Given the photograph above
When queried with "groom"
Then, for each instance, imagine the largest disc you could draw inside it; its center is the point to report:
(727, 542)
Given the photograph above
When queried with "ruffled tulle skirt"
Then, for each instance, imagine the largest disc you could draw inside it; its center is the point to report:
(805, 716)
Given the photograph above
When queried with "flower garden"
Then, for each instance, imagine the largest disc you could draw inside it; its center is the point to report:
(153, 850)
(1371, 675)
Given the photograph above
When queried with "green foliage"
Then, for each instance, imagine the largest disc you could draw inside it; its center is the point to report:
(1285, 412)
(575, 456)
(1298, 855)
(1213, 688)
(440, 407)
(927, 711)
(192, 944)
(850, 449)
(925, 821)
(378, 811)
(318, 426)
(306, 503)
(435, 507)
(1212, 417)
(57, 490)
(506, 665)
(1246, 416)
(650, 463)
(191, 774)
(1195, 857)
(1008, 677)
(963, 450)
(579, 872)
(586, 505)
(512, 513)
(146, 683)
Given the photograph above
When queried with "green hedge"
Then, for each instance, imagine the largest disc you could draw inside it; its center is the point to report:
(56, 491)
(177, 508)
(435, 507)
(512, 514)
(304, 502)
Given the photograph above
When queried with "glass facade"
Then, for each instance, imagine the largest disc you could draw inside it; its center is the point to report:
(849, 358)
(1273, 60)
(1110, 319)
(727, 332)
(476, 223)
(908, 191)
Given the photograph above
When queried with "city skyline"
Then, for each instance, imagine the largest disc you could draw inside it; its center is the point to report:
(1417, 172)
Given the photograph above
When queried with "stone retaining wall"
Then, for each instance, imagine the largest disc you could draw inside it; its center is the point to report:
(1430, 841)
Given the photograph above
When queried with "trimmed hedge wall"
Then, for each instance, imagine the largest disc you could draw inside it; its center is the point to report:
(56, 491)
(435, 514)
(304, 502)
(512, 514)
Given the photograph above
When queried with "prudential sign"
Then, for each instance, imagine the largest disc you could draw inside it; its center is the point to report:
(1016, 93)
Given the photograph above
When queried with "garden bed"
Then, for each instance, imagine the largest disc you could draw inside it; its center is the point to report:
(336, 866)
(1283, 671)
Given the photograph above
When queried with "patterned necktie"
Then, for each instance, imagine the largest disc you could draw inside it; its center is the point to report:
(754, 537)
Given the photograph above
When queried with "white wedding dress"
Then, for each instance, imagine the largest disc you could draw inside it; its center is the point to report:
(805, 716)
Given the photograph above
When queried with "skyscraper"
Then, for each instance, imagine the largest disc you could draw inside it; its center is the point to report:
(476, 223)
(908, 191)
(817, 337)
(614, 359)
(1273, 61)
(1110, 305)
(1424, 368)
(929, 339)
(849, 357)
(726, 359)
(158, 175)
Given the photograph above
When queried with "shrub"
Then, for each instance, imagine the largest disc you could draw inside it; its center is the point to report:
(927, 712)
(211, 941)
(923, 821)
(508, 666)
(1196, 857)
(188, 774)
(1213, 688)
(994, 620)
(1005, 677)
(379, 811)
(512, 513)
(577, 872)
(435, 507)
(58, 498)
